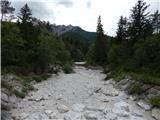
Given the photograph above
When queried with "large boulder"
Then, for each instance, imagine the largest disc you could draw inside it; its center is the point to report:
(121, 109)
(156, 113)
(144, 105)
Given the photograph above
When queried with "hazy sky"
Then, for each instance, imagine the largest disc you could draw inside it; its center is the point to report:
(83, 13)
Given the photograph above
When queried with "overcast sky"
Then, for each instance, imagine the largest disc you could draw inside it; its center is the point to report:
(83, 13)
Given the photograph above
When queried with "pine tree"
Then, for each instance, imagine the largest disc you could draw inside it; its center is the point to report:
(6, 8)
(25, 14)
(122, 29)
(156, 21)
(139, 25)
(100, 45)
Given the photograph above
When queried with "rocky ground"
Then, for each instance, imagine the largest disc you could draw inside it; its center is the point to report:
(83, 95)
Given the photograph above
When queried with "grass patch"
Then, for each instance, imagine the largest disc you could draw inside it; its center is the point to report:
(5, 84)
(135, 89)
(155, 101)
(19, 94)
(145, 78)
(67, 68)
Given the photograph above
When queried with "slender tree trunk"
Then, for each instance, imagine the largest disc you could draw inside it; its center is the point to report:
(2, 17)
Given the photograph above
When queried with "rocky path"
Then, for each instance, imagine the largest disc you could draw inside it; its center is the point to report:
(82, 95)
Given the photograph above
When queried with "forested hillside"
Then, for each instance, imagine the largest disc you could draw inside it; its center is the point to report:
(29, 45)
(135, 49)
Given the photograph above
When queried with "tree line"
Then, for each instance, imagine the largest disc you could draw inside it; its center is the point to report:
(136, 47)
(29, 45)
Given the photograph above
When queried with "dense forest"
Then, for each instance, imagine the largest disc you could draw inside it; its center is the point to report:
(136, 48)
(30, 45)
(33, 50)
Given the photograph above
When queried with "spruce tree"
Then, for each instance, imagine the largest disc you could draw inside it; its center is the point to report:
(6, 8)
(122, 29)
(100, 45)
(139, 25)
(156, 21)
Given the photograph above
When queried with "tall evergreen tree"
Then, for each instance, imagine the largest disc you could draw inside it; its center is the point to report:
(25, 14)
(122, 29)
(6, 8)
(100, 45)
(28, 31)
(156, 21)
(139, 25)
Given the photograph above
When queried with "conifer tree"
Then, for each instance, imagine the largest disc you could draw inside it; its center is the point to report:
(156, 21)
(100, 45)
(122, 29)
(6, 8)
(139, 25)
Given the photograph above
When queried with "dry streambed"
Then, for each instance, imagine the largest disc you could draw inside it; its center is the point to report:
(82, 95)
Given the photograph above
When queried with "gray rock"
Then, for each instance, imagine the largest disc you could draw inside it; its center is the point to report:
(121, 109)
(71, 115)
(156, 113)
(110, 91)
(24, 116)
(37, 116)
(122, 106)
(91, 116)
(153, 93)
(78, 107)
(144, 105)
(48, 112)
(62, 108)
(111, 116)
(4, 97)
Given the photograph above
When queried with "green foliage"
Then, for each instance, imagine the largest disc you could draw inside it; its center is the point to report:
(145, 78)
(77, 45)
(135, 89)
(147, 55)
(67, 68)
(155, 101)
(27, 48)
(98, 51)
(5, 84)
(19, 94)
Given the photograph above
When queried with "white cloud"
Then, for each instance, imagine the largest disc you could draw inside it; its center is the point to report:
(84, 13)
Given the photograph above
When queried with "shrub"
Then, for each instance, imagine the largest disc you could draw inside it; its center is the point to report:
(155, 101)
(67, 68)
(19, 94)
(135, 89)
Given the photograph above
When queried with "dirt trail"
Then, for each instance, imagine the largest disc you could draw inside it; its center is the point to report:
(82, 95)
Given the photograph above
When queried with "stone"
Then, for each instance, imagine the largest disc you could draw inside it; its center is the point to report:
(78, 107)
(24, 115)
(110, 91)
(123, 82)
(48, 112)
(144, 105)
(37, 116)
(153, 93)
(121, 109)
(71, 115)
(6, 115)
(120, 113)
(122, 106)
(93, 108)
(156, 113)
(91, 116)
(133, 98)
(62, 109)
(111, 116)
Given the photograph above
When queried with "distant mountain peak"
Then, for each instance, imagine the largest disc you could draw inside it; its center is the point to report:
(61, 29)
